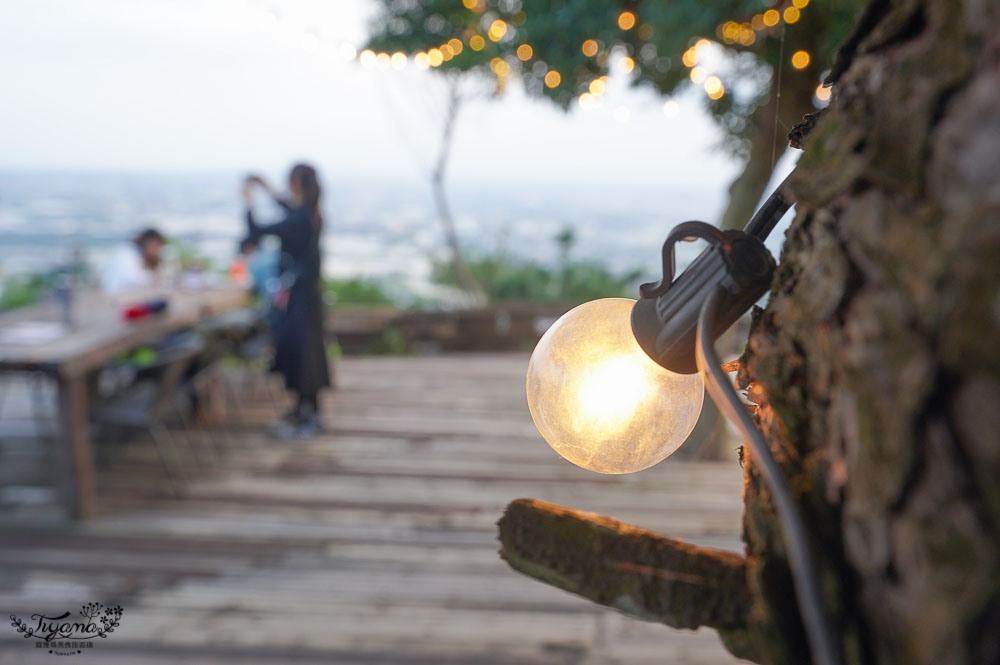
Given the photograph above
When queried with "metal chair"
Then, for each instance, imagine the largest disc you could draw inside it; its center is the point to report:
(159, 393)
(246, 340)
(42, 403)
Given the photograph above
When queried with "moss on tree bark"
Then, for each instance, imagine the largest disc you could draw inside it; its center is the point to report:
(631, 569)
(875, 364)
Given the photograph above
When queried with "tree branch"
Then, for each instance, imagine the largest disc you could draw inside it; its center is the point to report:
(630, 569)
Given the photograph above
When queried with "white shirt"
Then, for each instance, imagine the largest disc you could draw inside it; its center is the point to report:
(124, 270)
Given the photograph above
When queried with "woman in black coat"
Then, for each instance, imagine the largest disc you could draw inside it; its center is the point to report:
(300, 354)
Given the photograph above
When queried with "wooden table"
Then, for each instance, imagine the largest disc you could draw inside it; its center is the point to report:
(97, 335)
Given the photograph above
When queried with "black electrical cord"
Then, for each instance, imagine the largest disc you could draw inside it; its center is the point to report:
(771, 211)
(823, 646)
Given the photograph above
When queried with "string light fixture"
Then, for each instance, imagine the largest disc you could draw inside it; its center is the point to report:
(615, 385)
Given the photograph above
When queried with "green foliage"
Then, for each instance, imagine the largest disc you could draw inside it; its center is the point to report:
(392, 341)
(25, 290)
(187, 256)
(507, 279)
(584, 281)
(356, 291)
(656, 43)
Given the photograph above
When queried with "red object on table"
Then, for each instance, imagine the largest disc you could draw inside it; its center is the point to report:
(136, 312)
(143, 310)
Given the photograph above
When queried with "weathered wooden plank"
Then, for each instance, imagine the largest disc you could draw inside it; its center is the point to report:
(401, 629)
(614, 645)
(374, 543)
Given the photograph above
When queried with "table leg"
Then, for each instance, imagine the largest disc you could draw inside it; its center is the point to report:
(78, 478)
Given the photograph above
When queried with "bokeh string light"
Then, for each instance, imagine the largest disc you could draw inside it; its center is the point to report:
(506, 37)
(800, 59)
(626, 20)
(745, 33)
(741, 33)
(736, 32)
(497, 30)
(701, 58)
(714, 88)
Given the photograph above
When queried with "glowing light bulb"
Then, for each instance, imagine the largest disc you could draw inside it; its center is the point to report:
(599, 400)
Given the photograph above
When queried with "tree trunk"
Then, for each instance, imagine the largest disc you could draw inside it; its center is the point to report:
(875, 364)
(767, 144)
(465, 277)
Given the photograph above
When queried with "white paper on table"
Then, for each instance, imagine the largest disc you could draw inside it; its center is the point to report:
(32, 332)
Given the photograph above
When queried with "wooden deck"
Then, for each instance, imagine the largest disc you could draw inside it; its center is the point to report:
(373, 544)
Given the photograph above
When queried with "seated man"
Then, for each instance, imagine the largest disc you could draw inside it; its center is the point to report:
(133, 264)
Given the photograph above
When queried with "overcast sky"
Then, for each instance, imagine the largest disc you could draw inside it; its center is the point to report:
(210, 85)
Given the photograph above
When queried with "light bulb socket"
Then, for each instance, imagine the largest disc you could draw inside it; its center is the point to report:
(665, 318)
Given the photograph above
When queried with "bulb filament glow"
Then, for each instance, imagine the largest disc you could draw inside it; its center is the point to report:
(599, 400)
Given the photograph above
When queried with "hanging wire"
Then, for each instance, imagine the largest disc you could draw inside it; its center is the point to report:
(823, 646)
(777, 97)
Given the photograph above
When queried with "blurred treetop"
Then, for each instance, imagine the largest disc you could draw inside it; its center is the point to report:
(564, 50)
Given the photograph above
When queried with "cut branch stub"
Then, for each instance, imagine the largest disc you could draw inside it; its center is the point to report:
(630, 569)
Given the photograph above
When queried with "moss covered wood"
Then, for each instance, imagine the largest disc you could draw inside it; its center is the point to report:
(629, 568)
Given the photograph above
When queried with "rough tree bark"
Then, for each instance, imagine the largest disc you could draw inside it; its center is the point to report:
(630, 569)
(875, 366)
